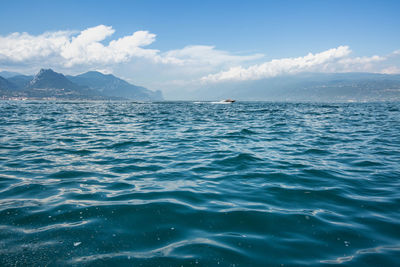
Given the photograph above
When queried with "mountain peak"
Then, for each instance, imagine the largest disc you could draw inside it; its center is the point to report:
(43, 72)
(47, 78)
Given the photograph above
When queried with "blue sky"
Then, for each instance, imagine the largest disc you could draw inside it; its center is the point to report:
(240, 34)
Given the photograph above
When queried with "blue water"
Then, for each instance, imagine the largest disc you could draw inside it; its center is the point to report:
(171, 184)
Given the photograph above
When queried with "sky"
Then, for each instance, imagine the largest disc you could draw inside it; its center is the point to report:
(178, 46)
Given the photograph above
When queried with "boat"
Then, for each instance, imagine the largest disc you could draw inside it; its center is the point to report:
(226, 101)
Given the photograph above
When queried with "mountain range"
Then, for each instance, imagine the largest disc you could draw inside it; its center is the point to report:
(92, 85)
(314, 87)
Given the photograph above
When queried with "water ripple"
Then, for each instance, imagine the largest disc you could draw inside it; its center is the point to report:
(180, 183)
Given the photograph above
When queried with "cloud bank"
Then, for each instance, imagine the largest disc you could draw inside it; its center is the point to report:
(70, 49)
(87, 47)
(332, 60)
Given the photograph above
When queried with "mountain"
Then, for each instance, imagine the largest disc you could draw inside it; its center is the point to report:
(7, 88)
(8, 74)
(47, 78)
(21, 81)
(48, 84)
(326, 87)
(109, 85)
(317, 87)
(6, 84)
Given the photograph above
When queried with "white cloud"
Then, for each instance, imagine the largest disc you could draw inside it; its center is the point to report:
(18, 47)
(391, 70)
(205, 55)
(87, 48)
(70, 49)
(356, 64)
(361, 60)
(332, 60)
(276, 67)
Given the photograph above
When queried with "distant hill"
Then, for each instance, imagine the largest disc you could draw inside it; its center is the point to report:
(327, 87)
(8, 74)
(6, 87)
(21, 81)
(48, 84)
(6, 84)
(109, 85)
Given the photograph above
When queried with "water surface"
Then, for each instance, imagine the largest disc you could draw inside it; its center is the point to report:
(182, 183)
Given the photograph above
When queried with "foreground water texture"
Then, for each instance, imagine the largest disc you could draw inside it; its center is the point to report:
(244, 184)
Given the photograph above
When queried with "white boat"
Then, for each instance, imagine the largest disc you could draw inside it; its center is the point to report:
(226, 101)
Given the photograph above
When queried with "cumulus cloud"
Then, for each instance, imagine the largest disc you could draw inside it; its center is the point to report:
(276, 67)
(332, 60)
(87, 48)
(71, 49)
(359, 64)
(18, 47)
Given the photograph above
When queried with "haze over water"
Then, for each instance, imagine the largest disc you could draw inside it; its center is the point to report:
(183, 183)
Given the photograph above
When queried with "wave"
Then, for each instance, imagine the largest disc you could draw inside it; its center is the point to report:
(254, 184)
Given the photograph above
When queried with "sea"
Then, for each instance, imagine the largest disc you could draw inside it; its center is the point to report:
(199, 184)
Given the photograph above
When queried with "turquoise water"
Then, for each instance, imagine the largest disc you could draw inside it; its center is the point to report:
(171, 184)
